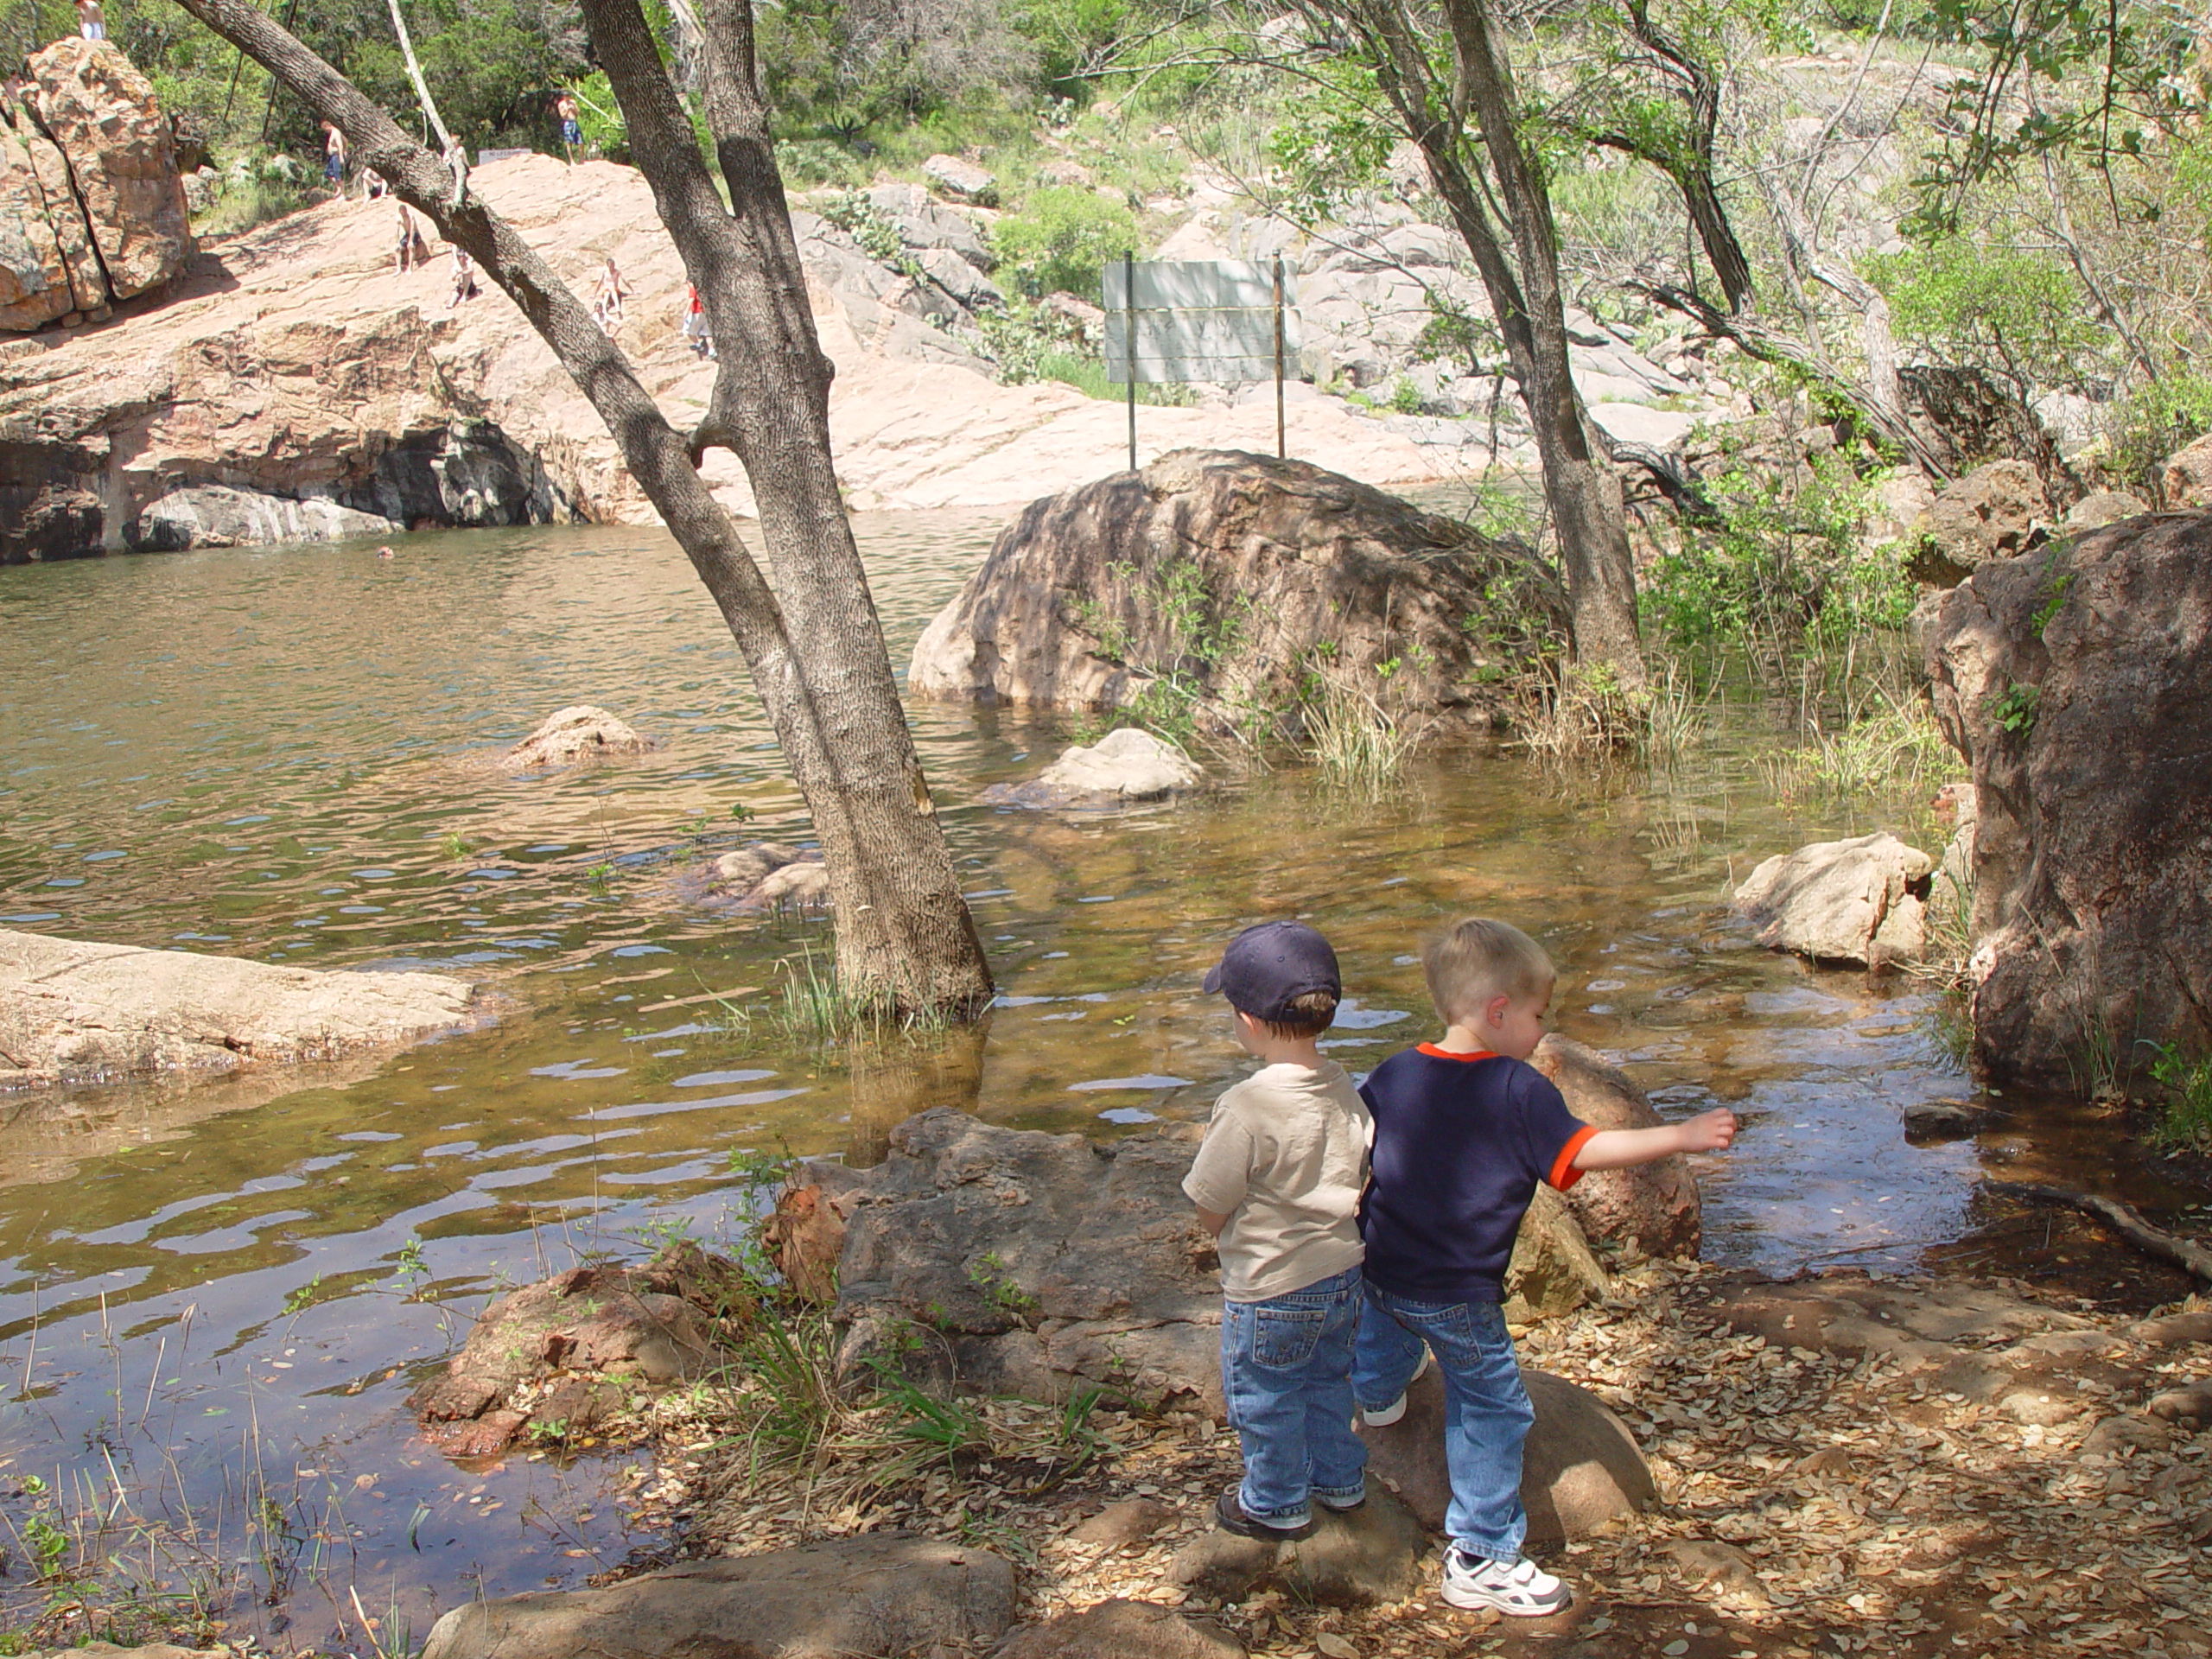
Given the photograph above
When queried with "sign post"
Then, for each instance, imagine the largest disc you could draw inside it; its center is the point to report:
(1129, 333)
(1231, 322)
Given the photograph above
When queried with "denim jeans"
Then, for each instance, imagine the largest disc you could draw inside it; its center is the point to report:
(1286, 1372)
(1486, 1410)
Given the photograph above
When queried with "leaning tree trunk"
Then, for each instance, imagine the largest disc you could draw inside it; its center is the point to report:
(1584, 494)
(1584, 491)
(808, 630)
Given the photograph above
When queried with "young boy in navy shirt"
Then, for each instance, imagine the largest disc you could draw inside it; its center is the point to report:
(1464, 1128)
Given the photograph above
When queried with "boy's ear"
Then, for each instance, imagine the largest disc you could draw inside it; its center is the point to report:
(1494, 1010)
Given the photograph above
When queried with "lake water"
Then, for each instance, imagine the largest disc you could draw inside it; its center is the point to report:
(212, 1295)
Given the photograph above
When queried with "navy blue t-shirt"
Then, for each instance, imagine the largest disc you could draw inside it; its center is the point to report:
(1460, 1142)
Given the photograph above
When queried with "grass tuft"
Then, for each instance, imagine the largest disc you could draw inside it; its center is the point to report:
(1357, 743)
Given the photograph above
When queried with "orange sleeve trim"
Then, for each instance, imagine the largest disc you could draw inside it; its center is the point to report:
(1436, 1053)
(1564, 1173)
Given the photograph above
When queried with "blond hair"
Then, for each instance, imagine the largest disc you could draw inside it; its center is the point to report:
(1477, 958)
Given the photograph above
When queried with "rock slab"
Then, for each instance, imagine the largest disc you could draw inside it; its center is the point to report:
(73, 1011)
(1357, 1559)
(1580, 1466)
(1862, 901)
(1232, 576)
(883, 1596)
(2078, 684)
(215, 515)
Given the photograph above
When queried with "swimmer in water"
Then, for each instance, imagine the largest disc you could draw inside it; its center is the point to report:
(383, 552)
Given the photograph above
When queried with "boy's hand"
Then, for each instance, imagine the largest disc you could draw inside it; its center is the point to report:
(1712, 1131)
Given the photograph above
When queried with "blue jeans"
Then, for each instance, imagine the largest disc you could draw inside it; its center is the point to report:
(1486, 1410)
(1286, 1372)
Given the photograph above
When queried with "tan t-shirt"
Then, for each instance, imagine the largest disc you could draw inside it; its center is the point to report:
(1285, 1158)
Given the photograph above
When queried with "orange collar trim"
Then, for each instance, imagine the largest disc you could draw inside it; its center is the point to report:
(1436, 1053)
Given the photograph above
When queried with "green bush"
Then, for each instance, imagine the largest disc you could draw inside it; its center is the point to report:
(2153, 421)
(1061, 238)
(1784, 569)
(2016, 311)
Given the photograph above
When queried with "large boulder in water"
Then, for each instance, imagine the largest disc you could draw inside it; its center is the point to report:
(215, 515)
(582, 732)
(1125, 767)
(2079, 685)
(72, 1011)
(1227, 579)
(1861, 900)
(119, 196)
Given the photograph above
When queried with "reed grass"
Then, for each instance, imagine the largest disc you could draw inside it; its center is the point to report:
(1357, 742)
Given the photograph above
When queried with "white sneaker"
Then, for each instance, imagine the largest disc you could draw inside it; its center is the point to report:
(1520, 1588)
(1383, 1416)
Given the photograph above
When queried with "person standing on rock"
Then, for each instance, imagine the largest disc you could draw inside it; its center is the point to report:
(572, 131)
(92, 20)
(1277, 1182)
(409, 242)
(607, 297)
(464, 278)
(694, 323)
(1465, 1127)
(334, 157)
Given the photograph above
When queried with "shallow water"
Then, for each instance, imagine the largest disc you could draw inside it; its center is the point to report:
(281, 753)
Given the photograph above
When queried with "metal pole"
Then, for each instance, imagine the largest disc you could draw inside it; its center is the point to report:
(1282, 453)
(1129, 343)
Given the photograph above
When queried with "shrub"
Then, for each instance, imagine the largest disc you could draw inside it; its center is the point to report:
(1061, 240)
(2155, 419)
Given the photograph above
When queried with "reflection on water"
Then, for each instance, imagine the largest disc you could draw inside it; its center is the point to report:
(279, 753)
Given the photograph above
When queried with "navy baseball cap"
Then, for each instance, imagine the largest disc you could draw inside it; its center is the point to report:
(1268, 966)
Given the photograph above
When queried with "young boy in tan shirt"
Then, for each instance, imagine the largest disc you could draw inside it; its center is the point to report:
(1277, 1181)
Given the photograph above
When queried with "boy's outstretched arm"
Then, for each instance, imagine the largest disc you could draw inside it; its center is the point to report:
(1710, 1131)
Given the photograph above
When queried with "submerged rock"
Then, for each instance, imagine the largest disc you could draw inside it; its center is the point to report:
(1862, 901)
(73, 1011)
(2078, 684)
(1225, 580)
(1125, 767)
(92, 209)
(887, 1595)
(571, 736)
(1579, 1468)
(562, 1354)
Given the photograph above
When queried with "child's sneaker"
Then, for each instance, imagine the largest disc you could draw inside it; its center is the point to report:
(1231, 1516)
(1520, 1588)
(1383, 1416)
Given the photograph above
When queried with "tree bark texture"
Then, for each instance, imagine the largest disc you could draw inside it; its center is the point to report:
(808, 627)
(1580, 485)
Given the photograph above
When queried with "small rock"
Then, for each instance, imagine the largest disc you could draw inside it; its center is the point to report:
(2191, 1404)
(1552, 1272)
(1126, 767)
(2172, 1329)
(1119, 1525)
(1706, 1560)
(883, 1593)
(1946, 1120)
(743, 870)
(2186, 483)
(2105, 507)
(2043, 1407)
(1122, 1630)
(1580, 1467)
(1830, 1463)
(579, 733)
(2117, 1435)
(799, 884)
(1862, 901)
(1990, 513)
(962, 179)
(1370, 1554)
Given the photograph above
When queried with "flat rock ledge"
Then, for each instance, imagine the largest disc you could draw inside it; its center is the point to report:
(883, 1595)
(72, 1011)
